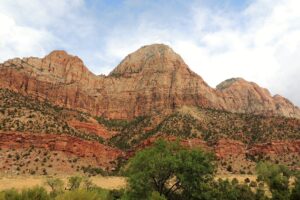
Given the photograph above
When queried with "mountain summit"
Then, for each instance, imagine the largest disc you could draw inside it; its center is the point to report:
(152, 79)
(155, 58)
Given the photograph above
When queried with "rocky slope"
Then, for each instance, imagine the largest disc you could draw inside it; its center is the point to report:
(153, 79)
(56, 104)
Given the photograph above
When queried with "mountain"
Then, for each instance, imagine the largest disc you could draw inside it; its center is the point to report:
(152, 79)
(56, 110)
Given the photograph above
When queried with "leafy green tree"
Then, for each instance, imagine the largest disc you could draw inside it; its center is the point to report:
(170, 170)
(277, 177)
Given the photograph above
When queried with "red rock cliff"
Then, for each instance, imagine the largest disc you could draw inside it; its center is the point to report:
(152, 79)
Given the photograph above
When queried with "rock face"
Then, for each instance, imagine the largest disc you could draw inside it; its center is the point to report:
(152, 79)
(103, 155)
(243, 96)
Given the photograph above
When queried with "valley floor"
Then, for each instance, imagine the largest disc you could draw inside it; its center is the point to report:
(21, 182)
(106, 182)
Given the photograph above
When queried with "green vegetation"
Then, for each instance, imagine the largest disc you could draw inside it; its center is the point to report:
(25, 114)
(172, 172)
(168, 168)
(208, 124)
(141, 128)
(167, 171)
(295, 195)
(278, 179)
(56, 186)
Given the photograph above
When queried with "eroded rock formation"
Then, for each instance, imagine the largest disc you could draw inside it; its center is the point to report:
(152, 79)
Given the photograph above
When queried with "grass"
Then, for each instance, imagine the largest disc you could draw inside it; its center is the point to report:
(21, 182)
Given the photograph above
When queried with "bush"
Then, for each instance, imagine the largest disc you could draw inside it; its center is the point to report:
(247, 180)
(74, 182)
(56, 185)
(296, 190)
(37, 193)
(79, 195)
(253, 184)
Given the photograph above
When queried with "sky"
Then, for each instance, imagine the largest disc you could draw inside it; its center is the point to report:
(258, 40)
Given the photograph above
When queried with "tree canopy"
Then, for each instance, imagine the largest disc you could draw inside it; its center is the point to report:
(170, 170)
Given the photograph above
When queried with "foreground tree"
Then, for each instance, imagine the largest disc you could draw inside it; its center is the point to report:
(296, 190)
(277, 177)
(170, 170)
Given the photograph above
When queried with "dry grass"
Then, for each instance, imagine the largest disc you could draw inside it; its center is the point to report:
(21, 182)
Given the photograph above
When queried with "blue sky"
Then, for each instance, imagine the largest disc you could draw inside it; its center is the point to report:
(254, 39)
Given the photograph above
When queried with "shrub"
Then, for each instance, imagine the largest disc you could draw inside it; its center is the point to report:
(253, 184)
(79, 195)
(37, 193)
(296, 190)
(56, 186)
(247, 180)
(74, 182)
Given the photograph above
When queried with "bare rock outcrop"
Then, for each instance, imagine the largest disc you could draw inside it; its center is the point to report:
(247, 97)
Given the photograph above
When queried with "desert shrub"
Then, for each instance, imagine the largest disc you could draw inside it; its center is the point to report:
(74, 182)
(115, 194)
(247, 180)
(93, 170)
(234, 181)
(253, 184)
(229, 168)
(88, 184)
(56, 185)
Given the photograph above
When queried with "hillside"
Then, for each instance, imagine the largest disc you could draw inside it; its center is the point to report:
(58, 117)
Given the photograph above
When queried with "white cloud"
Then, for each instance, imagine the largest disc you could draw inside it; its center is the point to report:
(16, 41)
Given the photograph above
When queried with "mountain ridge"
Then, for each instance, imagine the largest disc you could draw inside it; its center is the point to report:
(152, 79)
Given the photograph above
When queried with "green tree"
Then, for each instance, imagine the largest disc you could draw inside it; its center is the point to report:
(170, 170)
(277, 177)
(296, 190)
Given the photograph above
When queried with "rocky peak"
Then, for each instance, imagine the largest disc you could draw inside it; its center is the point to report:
(62, 58)
(155, 58)
(152, 79)
(68, 67)
(227, 83)
(244, 96)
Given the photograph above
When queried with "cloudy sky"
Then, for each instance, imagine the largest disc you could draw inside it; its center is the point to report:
(258, 40)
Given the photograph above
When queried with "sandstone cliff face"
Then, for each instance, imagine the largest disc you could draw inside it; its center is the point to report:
(243, 96)
(152, 79)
